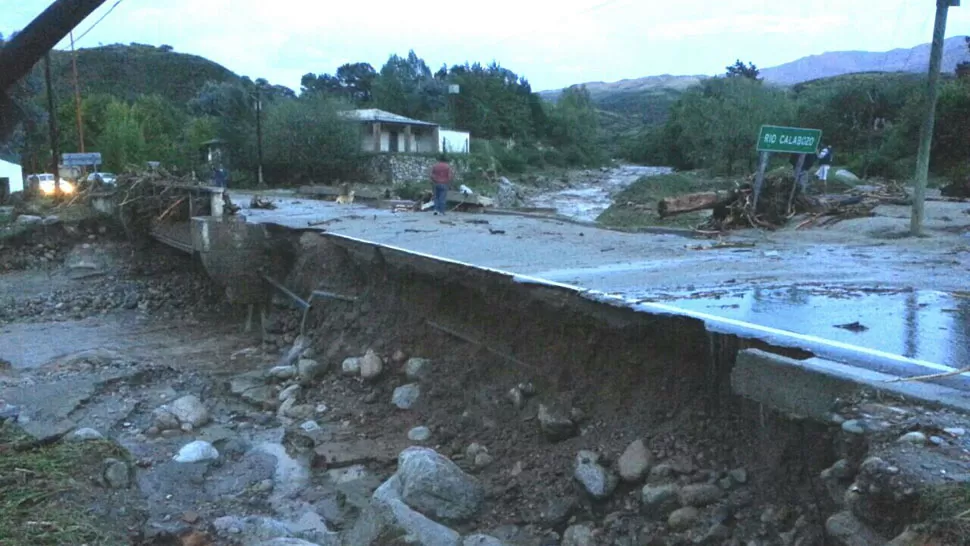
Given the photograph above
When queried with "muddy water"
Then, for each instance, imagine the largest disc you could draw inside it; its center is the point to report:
(590, 198)
(924, 325)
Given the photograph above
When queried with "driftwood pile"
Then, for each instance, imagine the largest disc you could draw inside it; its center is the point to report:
(780, 201)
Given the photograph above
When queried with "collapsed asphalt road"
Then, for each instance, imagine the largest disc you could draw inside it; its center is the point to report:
(439, 407)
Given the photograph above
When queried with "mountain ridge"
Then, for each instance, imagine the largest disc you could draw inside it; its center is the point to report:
(804, 69)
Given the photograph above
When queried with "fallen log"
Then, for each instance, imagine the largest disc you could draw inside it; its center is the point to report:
(692, 202)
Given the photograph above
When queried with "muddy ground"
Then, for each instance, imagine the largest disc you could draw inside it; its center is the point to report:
(100, 333)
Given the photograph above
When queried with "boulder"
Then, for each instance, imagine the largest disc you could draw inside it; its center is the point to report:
(117, 474)
(406, 396)
(848, 175)
(371, 365)
(556, 423)
(435, 486)
(293, 391)
(252, 388)
(598, 481)
(417, 369)
(635, 462)
(507, 195)
(195, 452)
(189, 409)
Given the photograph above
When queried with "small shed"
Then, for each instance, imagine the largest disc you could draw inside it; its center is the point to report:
(455, 142)
(13, 174)
(382, 131)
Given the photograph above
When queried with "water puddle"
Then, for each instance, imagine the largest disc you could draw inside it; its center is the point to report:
(923, 325)
(588, 200)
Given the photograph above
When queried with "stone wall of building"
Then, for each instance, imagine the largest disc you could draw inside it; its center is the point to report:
(404, 168)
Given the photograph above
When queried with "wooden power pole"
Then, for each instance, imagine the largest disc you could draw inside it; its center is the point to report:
(52, 123)
(77, 98)
(929, 121)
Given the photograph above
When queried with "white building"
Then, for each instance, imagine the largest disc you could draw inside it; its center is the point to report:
(14, 175)
(382, 131)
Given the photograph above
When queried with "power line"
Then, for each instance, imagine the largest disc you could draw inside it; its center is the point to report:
(96, 23)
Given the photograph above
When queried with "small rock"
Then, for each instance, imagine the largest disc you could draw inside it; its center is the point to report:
(474, 449)
(195, 452)
(86, 435)
(419, 434)
(350, 366)
(854, 426)
(597, 481)
(659, 500)
(371, 365)
(310, 426)
(189, 409)
(717, 534)
(635, 462)
(399, 356)
(483, 459)
(555, 423)
(739, 475)
(321, 408)
(282, 372)
(527, 388)
(293, 391)
(516, 397)
(190, 517)
(915, 438)
(309, 369)
(116, 474)
(187, 427)
(417, 369)
(683, 519)
(8, 411)
(164, 419)
(700, 495)
(846, 530)
(579, 535)
(955, 431)
(481, 540)
(577, 415)
(406, 396)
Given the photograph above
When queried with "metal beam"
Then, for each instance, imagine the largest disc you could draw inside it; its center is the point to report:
(22, 52)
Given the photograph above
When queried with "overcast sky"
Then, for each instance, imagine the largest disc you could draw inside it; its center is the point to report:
(552, 43)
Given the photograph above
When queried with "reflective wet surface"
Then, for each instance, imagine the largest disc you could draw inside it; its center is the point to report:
(923, 325)
(588, 200)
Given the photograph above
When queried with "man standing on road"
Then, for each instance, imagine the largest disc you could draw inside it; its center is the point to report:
(441, 176)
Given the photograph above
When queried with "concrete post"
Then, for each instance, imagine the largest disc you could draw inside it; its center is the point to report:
(377, 137)
(216, 203)
(437, 140)
(407, 139)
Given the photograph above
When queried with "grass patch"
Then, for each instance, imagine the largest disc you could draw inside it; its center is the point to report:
(636, 205)
(42, 487)
(945, 512)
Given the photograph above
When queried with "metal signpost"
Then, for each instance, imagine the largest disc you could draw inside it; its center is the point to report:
(81, 160)
(792, 140)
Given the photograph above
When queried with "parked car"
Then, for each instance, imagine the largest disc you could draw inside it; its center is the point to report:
(47, 183)
(106, 178)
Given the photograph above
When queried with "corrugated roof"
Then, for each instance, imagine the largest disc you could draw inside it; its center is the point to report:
(373, 114)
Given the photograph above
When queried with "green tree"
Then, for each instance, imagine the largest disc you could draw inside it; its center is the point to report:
(716, 124)
(740, 70)
(352, 81)
(573, 125)
(122, 142)
(493, 102)
(306, 138)
(405, 86)
(161, 125)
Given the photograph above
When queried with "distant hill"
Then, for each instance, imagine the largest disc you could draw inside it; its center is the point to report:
(129, 71)
(838, 63)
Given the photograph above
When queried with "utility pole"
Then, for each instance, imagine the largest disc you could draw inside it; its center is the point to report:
(929, 121)
(259, 137)
(77, 98)
(52, 122)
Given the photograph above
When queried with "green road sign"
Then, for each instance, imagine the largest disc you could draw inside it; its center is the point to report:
(793, 140)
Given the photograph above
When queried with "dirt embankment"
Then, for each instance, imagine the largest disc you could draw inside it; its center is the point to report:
(584, 424)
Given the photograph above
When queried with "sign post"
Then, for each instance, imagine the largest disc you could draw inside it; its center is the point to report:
(81, 160)
(793, 140)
